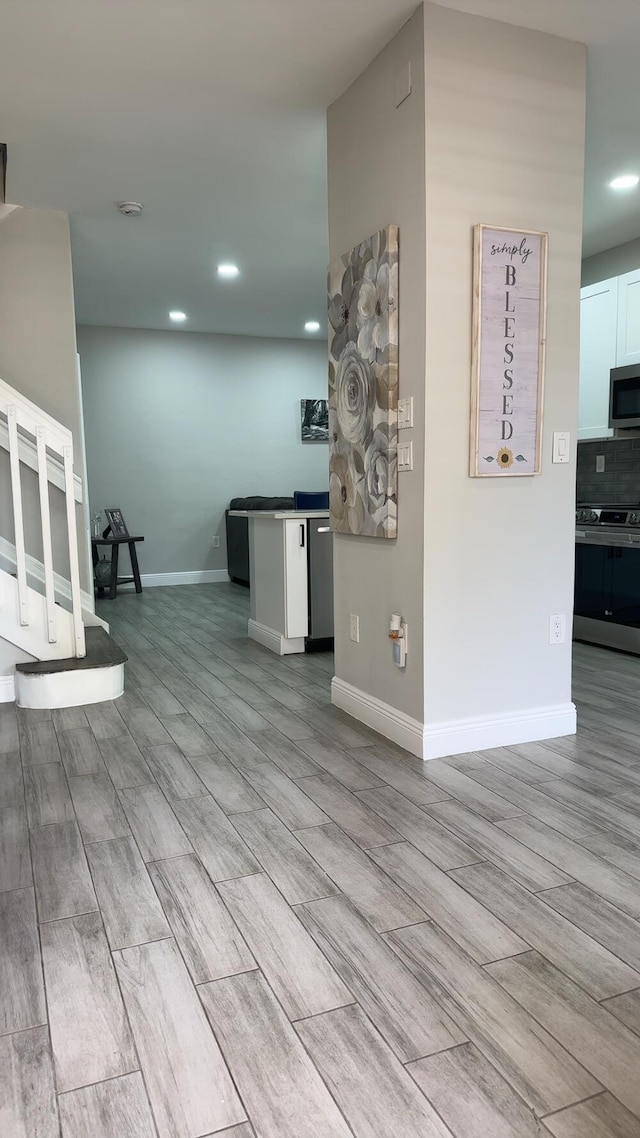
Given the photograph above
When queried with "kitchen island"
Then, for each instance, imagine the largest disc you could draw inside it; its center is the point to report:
(291, 572)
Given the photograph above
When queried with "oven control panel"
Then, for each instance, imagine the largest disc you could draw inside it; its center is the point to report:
(607, 516)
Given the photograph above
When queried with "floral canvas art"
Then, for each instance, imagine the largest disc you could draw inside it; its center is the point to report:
(363, 388)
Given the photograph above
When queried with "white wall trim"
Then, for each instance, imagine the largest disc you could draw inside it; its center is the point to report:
(188, 577)
(453, 737)
(530, 725)
(390, 722)
(275, 641)
(69, 689)
(7, 689)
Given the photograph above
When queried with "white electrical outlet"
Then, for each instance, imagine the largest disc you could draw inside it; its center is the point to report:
(354, 628)
(599, 464)
(557, 628)
(215, 541)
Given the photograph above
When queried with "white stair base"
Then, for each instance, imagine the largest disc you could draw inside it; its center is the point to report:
(69, 689)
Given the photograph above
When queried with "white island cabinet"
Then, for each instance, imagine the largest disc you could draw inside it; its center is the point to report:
(278, 569)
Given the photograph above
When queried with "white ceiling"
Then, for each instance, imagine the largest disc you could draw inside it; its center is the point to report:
(211, 112)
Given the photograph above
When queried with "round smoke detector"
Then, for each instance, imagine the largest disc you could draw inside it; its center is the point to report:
(130, 209)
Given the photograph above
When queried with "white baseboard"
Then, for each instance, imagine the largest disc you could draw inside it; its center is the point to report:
(387, 720)
(275, 641)
(7, 689)
(531, 725)
(188, 577)
(453, 737)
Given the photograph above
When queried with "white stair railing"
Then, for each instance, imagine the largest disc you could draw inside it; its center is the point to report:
(50, 436)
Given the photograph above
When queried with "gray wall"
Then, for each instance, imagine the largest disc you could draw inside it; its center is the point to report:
(471, 581)
(612, 263)
(499, 553)
(376, 178)
(38, 358)
(177, 423)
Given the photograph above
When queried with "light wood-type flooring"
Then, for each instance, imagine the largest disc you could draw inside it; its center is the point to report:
(226, 908)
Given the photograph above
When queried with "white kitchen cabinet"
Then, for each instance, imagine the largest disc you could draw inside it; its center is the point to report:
(279, 572)
(598, 354)
(296, 619)
(628, 340)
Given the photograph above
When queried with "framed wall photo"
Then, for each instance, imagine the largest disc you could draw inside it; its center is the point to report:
(314, 420)
(116, 522)
(509, 318)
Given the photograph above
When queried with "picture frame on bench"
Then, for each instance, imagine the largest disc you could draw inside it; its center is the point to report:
(116, 522)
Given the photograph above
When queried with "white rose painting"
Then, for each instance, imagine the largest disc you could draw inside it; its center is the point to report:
(363, 388)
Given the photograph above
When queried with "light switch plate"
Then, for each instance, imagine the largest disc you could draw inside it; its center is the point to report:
(561, 446)
(405, 456)
(405, 413)
(599, 464)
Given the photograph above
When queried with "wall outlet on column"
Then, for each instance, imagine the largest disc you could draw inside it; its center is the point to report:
(557, 628)
(354, 628)
(215, 541)
(400, 647)
(599, 464)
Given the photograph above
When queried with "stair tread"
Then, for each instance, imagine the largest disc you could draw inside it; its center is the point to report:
(102, 651)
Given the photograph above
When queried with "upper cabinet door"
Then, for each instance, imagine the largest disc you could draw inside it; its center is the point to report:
(628, 351)
(598, 338)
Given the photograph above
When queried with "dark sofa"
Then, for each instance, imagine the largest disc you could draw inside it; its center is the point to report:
(238, 533)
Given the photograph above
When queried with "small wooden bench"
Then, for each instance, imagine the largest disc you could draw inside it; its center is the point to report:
(115, 580)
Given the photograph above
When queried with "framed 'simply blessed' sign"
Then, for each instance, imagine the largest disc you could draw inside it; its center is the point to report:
(509, 311)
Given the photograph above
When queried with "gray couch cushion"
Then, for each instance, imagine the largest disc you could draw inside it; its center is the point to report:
(260, 503)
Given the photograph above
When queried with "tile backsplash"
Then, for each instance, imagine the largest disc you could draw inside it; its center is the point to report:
(620, 481)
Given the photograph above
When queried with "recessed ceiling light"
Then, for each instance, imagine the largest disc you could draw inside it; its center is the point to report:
(625, 182)
(312, 326)
(228, 271)
(178, 317)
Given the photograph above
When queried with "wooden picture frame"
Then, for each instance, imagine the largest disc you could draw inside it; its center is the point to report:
(116, 523)
(314, 421)
(508, 351)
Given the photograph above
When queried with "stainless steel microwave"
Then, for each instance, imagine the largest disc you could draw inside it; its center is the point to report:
(624, 396)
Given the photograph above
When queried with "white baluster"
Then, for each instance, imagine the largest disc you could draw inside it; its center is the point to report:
(76, 599)
(18, 524)
(45, 519)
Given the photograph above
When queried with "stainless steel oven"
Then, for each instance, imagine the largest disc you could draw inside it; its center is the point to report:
(607, 583)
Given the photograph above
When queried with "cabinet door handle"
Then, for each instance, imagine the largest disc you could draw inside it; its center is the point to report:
(323, 529)
(302, 535)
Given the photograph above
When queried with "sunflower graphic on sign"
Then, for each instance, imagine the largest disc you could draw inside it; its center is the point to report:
(504, 458)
